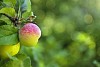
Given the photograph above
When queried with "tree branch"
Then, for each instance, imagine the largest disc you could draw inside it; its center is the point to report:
(13, 20)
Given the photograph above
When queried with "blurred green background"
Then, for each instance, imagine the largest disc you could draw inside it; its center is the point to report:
(70, 33)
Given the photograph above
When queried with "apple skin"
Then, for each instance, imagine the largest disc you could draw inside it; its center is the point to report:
(11, 50)
(29, 34)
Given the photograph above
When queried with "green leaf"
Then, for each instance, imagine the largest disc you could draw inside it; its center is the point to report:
(8, 11)
(20, 61)
(26, 14)
(5, 19)
(9, 28)
(8, 35)
(18, 5)
(10, 3)
(25, 60)
(2, 23)
(2, 5)
(24, 5)
(9, 40)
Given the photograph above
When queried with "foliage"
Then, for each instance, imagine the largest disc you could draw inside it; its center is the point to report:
(11, 12)
(20, 60)
(70, 32)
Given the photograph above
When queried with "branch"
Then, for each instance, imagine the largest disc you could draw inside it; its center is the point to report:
(14, 20)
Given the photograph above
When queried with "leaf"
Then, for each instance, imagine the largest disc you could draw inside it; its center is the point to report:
(9, 28)
(9, 40)
(8, 11)
(10, 3)
(21, 61)
(2, 23)
(2, 4)
(18, 5)
(26, 14)
(24, 5)
(5, 20)
(25, 60)
(8, 35)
